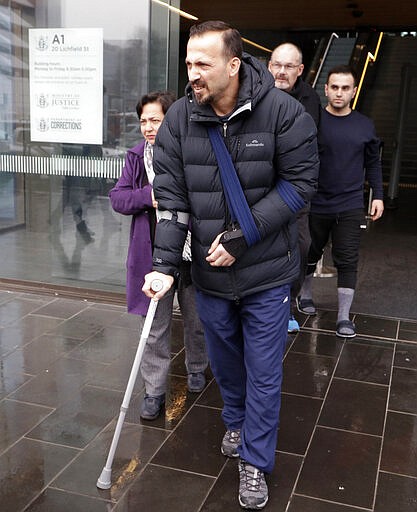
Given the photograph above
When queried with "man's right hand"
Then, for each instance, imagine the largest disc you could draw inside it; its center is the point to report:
(165, 284)
(218, 256)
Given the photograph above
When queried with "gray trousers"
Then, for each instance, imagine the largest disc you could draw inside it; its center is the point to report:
(157, 354)
(304, 241)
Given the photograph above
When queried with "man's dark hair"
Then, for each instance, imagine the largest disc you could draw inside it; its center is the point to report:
(164, 98)
(342, 69)
(232, 40)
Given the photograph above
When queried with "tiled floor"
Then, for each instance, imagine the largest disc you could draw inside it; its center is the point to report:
(347, 440)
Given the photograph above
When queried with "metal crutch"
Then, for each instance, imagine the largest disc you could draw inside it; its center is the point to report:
(104, 480)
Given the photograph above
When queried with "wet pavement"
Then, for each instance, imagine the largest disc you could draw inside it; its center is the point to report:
(347, 439)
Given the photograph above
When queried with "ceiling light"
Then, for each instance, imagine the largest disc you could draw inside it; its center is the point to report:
(256, 45)
(178, 11)
(192, 17)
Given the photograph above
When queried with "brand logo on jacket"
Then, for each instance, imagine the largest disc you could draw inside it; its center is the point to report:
(255, 144)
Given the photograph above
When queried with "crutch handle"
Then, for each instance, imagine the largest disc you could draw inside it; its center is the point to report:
(157, 285)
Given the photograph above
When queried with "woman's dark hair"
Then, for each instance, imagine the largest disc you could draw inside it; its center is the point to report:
(165, 98)
(232, 40)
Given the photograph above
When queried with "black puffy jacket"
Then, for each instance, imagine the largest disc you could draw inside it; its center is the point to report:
(270, 138)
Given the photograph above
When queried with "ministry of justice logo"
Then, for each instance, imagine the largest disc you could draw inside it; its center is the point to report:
(42, 100)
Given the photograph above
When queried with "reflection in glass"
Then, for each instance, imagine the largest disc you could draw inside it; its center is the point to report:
(56, 225)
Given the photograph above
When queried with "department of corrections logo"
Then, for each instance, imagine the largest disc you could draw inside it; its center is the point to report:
(42, 43)
(43, 125)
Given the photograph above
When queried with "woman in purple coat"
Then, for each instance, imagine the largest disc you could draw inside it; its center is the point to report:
(133, 195)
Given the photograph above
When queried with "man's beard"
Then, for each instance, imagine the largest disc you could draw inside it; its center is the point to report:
(203, 100)
(206, 100)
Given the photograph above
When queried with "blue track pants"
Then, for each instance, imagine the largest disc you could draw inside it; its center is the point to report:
(246, 343)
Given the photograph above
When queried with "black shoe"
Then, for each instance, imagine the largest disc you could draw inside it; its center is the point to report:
(152, 407)
(306, 306)
(86, 234)
(196, 382)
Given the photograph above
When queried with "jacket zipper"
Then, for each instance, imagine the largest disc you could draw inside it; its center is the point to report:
(236, 297)
(287, 237)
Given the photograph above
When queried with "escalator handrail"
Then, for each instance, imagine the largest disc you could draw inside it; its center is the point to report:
(362, 55)
(323, 58)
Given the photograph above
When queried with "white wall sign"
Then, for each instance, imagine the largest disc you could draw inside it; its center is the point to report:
(66, 85)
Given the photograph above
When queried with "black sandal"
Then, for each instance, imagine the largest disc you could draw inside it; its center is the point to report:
(345, 324)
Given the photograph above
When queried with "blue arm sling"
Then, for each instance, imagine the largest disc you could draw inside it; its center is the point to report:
(235, 198)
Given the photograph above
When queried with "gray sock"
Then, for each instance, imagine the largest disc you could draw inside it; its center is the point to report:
(306, 291)
(345, 299)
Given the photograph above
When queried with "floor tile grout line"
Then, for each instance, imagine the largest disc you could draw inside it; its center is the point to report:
(212, 487)
(398, 330)
(33, 404)
(90, 443)
(292, 454)
(405, 413)
(383, 429)
(361, 381)
(365, 315)
(51, 443)
(346, 431)
(312, 355)
(182, 470)
(135, 394)
(35, 338)
(289, 346)
(315, 426)
(322, 500)
(171, 432)
(55, 476)
(358, 335)
(289, 393)
(405, 368)
(8, 397)
(25, 435)
(150, 463)
(211, 407)
(65, 491)
(403, 475)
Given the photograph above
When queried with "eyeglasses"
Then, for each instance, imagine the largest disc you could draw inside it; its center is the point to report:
(287, 67)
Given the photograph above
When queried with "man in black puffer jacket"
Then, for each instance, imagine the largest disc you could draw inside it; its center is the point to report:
(243, 288)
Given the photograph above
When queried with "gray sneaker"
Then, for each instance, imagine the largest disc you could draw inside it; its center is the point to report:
(151, 407)
(230, 442)
(253, 491)
(196, 382)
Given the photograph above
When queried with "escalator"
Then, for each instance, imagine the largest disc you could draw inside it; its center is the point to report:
(381, 100)
(338, 51)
